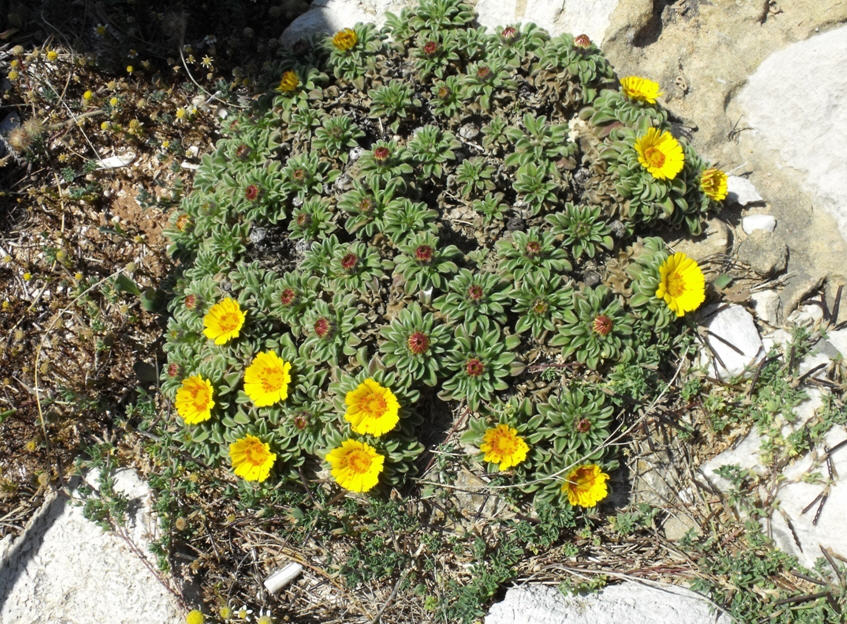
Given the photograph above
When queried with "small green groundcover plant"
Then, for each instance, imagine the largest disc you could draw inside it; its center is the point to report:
(423, 218)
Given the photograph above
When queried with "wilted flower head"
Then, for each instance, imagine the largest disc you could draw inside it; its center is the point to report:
(713, 182)
(345, 39)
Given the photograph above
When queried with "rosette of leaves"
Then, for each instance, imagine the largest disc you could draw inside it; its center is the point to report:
(330, 329)
(474, 176)
(384, 162)
(540, 303)
(581, 59)
(434, 54)
(293, 294)
(646, 256)
(404, 217)
(366, 205)
(438, 15)
(413, 345)
(494, 137)
(356, 266)
(356, 61)
(248, 143)
(470, 295)
(649, 199)
(582, 229)
(308, 416)
(519, 43)
(447, 100)
(394, 101)
(479, 363)
(536, 186)
(258, 192)
(538, 141)
(612, 106)
(596, 329)
(533, 252)
(306, 174)
(491, 207)
(574, 422)
(432, 148)
(337, 136)
(318, 258)
(302, 121)
(486, 80)
(314, 219)
(424, 263)
(251, 281)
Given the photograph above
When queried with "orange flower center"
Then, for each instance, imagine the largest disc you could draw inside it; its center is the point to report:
(228, 321)
(582, 480)
(254, 452)
(504, 444)
(357, 461)
(272, 379)
(675, 284)
(654, 156)
(201, 398)
(372, 403)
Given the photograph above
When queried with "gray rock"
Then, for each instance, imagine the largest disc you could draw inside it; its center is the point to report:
(764, 253)
(753, 223)
(714, 241)
(805, 127)
(741, 191)
(615, 604)
(733, 325)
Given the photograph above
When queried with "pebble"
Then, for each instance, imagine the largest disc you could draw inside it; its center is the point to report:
(756, 222)
(741, 191)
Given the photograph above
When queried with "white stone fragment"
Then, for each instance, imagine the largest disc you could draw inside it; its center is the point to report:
(113, 162)
(767, 305)
(741, 191)
(615, 604)
(745, 455)
(752, 223)
(809, 315)
(282, 577)
(838, 339)
(734, 325)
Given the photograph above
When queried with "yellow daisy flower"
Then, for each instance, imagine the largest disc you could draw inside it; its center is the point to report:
(194, 617)
(289, 82)
(713, 183)
(345, 39)
(503, 445)
(223, 321)
(660, 154)
(371, 408)
(194, 401)
(251, 458)
(355, 465)
(681, 284)
(640, 89)
(266, 379)
(586, 485)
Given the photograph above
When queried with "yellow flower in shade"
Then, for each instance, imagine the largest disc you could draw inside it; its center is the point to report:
(586, 485)
(289, 82)
(251, 458)
(503, 445)
(194, 617)
(345, 39)
(660, 154)
(681, 284)
(713, 183)
(371, 408)
(194, 401)
(223, 321)
(266, 379)
(355, 465)
(640, 89)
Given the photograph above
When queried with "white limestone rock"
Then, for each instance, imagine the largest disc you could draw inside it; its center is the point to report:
(741, 191)
(753, 223)
(734, 325)
(768, 306)
(745, 454)
(590, 17)
(795, 103)
(627, 602)
(330, 16)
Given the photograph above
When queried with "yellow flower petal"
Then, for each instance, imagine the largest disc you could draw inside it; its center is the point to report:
(586, 485)
(640, 89)
(681, 284)
(345, 39)
(660, 154)
(266, 379)
(502, 445)
(251, 458)
(223, 321)
(355, 465)
(194, 400)
(371, 408)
